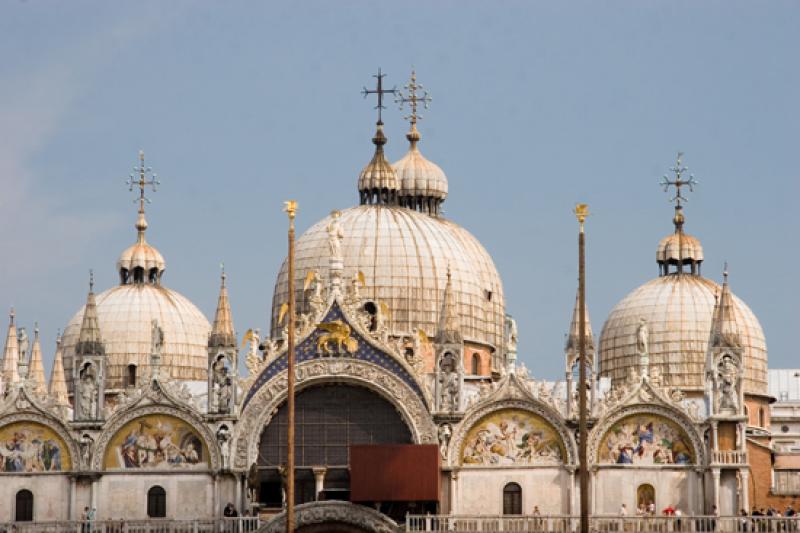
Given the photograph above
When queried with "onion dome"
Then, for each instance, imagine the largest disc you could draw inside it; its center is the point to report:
(125, 314)
(679, 249)
(423, 184)
(679, 309)
(404, 256)
(377, 183)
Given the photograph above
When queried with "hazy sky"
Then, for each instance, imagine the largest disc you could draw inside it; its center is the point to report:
(241, 105)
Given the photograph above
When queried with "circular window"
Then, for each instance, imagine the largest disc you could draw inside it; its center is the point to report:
(785, 429)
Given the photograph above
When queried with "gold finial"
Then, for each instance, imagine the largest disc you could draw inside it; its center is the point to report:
(679, 170)
(581, 212)
(290, 208)
(140, 179)
(413, 100)
(379, 91)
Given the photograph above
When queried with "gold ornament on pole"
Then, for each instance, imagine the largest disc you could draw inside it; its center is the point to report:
(290, 207)
(581, 212)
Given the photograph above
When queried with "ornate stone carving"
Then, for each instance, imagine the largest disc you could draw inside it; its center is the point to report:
(356, 516)
(261, 407)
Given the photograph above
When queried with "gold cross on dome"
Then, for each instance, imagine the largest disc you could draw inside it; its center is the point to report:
(412, 98)
(380, 91)
(679, 170)
(141, 180)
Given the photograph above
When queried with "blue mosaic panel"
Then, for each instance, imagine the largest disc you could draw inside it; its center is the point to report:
(307, 350)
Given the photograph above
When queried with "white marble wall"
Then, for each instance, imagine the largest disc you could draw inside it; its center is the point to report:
(125, 495)
(611, 487)
(480, 490)
(50, 496)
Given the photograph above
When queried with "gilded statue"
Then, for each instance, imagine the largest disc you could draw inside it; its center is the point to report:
(337, 340)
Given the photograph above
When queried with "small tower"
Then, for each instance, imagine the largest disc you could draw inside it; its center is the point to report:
(377, 183)
(10, 356)
(572, 358)
(724, 358)
(58, 381)
(222, 357)
(36, 366)
(90, 365)
(449, 355)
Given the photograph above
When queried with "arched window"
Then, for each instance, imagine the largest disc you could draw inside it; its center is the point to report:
(512, 499)
(24, 506)
(476, 364)
(762, 419)
(157, 502)
(130, 376)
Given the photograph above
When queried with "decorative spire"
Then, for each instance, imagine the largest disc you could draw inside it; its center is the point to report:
(36, 366)
(413, 100)
(11, 353)
(724, 328)
(571, 346)
(141, 180)
(222, 333)
(58, 381)
(449, 322)
(89, 341)
(377, 183)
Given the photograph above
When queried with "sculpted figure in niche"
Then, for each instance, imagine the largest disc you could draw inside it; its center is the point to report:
(335, 236)
(24, 343)
(224, 439)
(86, 447)
(88, 393)
(728, 374)
(448, 383)
(445, 433)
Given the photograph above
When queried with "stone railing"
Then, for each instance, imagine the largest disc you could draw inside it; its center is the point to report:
(155, 525)
(729, 457)
(601, 524)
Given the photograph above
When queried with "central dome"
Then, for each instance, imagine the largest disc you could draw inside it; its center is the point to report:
(404, 255)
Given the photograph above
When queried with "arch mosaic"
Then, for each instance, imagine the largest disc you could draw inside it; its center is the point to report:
(646, 435)
(512, 433)
(167, 434)
(259, 411)
(32, 443)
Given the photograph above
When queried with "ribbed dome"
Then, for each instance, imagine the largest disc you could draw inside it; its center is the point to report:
(678, 310)
(404, 256)
(679, 247)
(141, 255)
(125, 315)
(420, 177)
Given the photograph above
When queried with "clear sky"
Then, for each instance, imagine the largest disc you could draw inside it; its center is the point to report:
(241, 105)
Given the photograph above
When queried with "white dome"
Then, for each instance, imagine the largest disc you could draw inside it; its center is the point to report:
(125, 314)
(420, 177)
(404, 255)
(678, 310)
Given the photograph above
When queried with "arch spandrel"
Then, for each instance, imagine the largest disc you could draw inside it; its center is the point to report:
(516, 432)
(33, 444)
(181, 442)
(646, 435)
(259, 410)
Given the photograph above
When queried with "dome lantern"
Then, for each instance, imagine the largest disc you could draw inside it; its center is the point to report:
(377, 183)
(423, 185)
(679, 249)
(141, 263)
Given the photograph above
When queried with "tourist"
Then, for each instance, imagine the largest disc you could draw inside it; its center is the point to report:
(230, 511)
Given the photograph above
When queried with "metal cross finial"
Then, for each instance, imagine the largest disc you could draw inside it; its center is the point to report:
(141, 180)
(91, 280)
(679, 181)
(412, 98)
(380, 91)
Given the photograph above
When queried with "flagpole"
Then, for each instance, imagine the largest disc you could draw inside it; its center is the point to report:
(291, 210)
(581, 212)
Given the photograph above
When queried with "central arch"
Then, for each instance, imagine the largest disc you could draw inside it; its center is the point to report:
(330, 417)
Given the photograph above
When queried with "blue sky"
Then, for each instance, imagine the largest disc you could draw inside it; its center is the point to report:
(241, 105)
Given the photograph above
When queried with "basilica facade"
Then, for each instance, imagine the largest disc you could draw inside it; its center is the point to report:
(406, 363)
